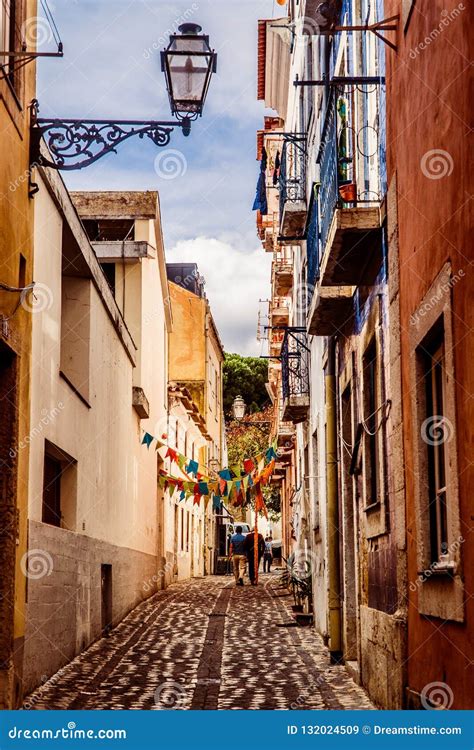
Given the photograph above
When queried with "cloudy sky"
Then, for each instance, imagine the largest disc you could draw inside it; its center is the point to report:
(111, 67)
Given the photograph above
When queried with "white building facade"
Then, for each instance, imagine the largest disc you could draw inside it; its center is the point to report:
(337, 372)
(99, 379)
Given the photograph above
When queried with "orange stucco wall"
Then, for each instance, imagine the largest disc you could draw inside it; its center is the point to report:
(429, 107)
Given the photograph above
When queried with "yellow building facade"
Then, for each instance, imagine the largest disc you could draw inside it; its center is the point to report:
(17, 89)
(196, 359)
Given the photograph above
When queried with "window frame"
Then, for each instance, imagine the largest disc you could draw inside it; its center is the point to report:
(439, 586)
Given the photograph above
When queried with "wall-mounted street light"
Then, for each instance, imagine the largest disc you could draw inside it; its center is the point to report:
(239, 408)
(188, 63)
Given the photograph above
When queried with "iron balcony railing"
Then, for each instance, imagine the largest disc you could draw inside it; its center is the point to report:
(295, 363)
(328, 159)
(312, 244)
(292, 178)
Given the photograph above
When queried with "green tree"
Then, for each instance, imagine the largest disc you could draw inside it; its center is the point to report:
(245, 441)
(246, 377)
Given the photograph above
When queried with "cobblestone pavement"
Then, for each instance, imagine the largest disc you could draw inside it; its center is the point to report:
(205, 644)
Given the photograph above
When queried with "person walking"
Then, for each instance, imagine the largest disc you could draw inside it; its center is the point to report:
(237, 554)
(249, 546)
(268, 554)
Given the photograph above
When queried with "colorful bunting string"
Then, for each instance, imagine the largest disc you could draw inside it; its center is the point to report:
(232, 482)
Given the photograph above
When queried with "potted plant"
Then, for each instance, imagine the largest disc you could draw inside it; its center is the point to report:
(348, 192)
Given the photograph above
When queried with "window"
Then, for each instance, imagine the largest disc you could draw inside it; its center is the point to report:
(371, 419)
(75, 333)
(433, 432)
(59, 488)
(314, 482)
(8, 35)
(109, 273)
(182, 530)
(22, 271)
(52, 491)
(309, 77)
(438, 530)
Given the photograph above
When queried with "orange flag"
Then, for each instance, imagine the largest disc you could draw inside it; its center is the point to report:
(259, 501)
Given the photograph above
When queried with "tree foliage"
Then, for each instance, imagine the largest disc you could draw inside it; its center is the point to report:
(247, 441)
(246, 377)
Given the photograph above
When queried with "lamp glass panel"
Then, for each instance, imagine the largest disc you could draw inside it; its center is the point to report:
(188, 77)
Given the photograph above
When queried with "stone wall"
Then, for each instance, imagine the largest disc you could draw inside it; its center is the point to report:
(383, 656)
(64, 595)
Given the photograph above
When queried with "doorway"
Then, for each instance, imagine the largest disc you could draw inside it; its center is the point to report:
(348, 547)
(106, 597)
(8, 513)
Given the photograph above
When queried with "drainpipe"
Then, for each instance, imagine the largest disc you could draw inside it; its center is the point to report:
(334, 573)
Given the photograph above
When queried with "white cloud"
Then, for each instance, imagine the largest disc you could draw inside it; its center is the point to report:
(236, 279)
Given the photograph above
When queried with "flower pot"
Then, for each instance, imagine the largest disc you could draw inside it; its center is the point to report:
(304, 619)
(348, 192)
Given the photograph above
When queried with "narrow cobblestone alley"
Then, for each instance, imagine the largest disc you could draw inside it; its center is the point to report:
(204, 644)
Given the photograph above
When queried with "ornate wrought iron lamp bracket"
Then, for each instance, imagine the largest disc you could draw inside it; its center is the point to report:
(75, 144)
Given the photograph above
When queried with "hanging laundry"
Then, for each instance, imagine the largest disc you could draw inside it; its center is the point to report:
(276, 169)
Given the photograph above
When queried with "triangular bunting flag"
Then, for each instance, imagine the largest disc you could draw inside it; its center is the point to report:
(249, 465)
(192, 467)
(147, 439)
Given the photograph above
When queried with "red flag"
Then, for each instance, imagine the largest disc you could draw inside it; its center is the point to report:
(170, 453)
(249, 466)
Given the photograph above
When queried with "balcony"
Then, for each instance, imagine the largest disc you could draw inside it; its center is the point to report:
(292, 185)
(344, 234)
(331, 310)
(128, 250)
(276, 340)
(295, 356)
(282, 277)
(350, 225)
(330, 307)
(280, 311)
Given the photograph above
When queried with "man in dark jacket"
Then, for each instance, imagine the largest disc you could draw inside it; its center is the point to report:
(249, 551)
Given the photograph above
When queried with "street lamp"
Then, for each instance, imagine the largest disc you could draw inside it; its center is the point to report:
(188, 63)
(238, 408)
